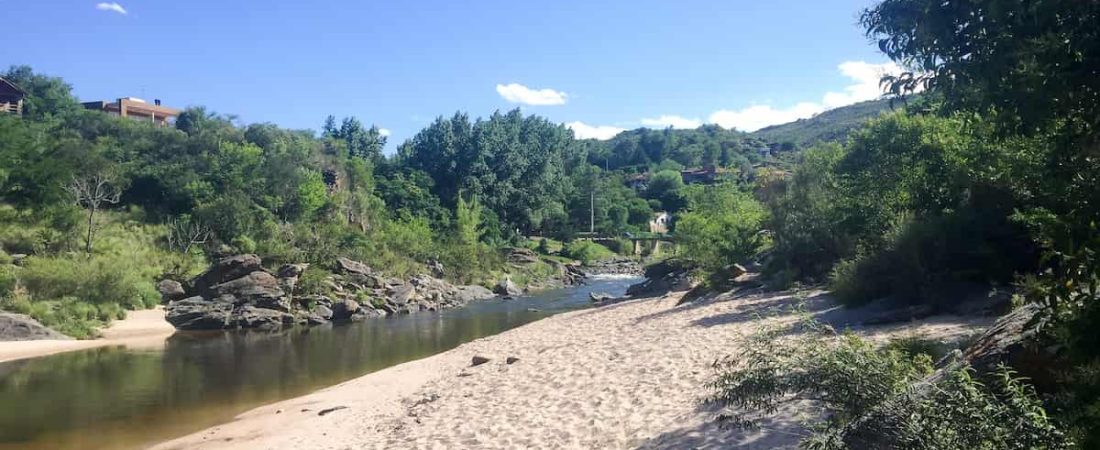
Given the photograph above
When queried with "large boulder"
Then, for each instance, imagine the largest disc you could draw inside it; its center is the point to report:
(349, 266)
(171, 290)
(288, 275)
(522, 256)
(466, 294)
(507, 287)
(401, 295)
(197, 313)
(344, 309)
(226, 269)
(265, 319)
(260, 289)
(19, 327)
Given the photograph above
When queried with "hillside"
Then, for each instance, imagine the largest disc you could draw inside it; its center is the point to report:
(832, 125)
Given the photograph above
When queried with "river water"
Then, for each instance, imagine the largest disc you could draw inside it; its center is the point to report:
(114, 397)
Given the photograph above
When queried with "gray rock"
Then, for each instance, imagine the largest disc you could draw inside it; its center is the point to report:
(264, 319)
(511, 360)
(323, 312)
(19, 327)
(507, 288)
(292, 270)
(171, 290)
(402, 294)
(195, 313)
(259, 289)
(226, 269)
(478, 360)
(600, 297)
(348, 266)
(466, 294)
(344, 309)
(436, 268)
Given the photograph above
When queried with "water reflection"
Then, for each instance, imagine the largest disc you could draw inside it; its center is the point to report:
(113, 397)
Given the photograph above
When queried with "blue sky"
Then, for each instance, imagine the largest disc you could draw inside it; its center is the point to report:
(597, 67)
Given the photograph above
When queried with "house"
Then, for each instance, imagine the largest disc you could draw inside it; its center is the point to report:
(660, 222)
(137, 109)
(11, 97)
(704, 175)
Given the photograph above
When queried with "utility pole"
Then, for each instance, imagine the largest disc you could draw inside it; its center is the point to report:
(592, 211)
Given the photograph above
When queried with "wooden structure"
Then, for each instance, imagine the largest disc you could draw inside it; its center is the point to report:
(11, 97)
(137, 109)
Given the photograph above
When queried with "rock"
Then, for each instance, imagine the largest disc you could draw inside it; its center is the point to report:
(466, 294)
(259, 289)
(19, 327)
(436, 268)
(288, 275)
(196, 313)
(615, 266)
(402, 294)
(328, 410)
(171, 290)
(18, 258)
(344, 309)
(323, 312)
(600, 297)
(267, 319)
(735, 270)
(478, 360)
(522, 256)
(348, 266)
(511, 360)
(292, 270)
(226, 269)
(507, 288)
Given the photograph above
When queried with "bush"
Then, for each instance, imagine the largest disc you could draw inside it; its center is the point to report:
(586, 251)
(879, 397)
(722, 227)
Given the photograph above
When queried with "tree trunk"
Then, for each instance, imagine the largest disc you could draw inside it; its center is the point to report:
(88, 241)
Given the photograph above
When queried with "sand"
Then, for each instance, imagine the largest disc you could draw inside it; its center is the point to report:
(628, 375)
(140, 329)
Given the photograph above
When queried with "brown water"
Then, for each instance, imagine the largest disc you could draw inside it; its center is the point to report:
(120, 398)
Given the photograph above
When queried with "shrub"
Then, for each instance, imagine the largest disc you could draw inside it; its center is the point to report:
(878, 397)
(586, 251)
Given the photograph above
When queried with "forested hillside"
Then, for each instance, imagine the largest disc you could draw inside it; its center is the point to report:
(833, 125)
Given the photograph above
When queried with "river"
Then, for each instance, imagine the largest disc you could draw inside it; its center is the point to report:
(115, 397)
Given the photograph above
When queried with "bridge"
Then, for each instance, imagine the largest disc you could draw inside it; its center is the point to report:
(642, 241)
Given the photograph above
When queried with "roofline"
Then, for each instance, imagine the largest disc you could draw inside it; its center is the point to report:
(13, 85)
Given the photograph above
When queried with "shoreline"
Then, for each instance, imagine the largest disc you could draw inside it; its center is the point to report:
(140, 329)
(627, 375)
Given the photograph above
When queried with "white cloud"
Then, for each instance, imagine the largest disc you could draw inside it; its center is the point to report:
(866, 86)
(518, 93)
(384, 132)
(759, 116)
(677, 122)
(111, 7)
(585, 131)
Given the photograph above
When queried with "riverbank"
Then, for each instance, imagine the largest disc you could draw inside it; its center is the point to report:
(623, 376)
(140, 329)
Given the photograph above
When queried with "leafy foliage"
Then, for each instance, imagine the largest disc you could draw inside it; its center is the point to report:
(878, 397)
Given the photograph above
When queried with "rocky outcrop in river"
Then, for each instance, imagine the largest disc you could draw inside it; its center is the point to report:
(238, 292)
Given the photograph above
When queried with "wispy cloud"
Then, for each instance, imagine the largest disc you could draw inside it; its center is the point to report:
(114, 7)
(672, 121)
(584, 131)
(518, 93)
(385, 132)
(865, 86)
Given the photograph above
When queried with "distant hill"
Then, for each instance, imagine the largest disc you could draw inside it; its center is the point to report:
(831, 125)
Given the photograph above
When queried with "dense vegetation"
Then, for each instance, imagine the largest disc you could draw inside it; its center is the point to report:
(992, 180)
(830, 126)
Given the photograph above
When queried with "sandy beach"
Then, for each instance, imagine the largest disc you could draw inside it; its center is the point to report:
(140, 329)
(628, 375)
